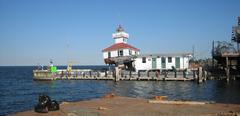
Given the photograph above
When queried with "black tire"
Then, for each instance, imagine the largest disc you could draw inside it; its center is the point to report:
(54, 106)
(44, 99)
(41, 108)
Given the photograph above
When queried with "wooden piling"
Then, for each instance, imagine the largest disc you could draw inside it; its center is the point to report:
(194, 74)
(105, 73)
(98, 74)
(205, 76)
(184, 74)
(157, 74)
(121, 74)
(199, 75)
(117, 75)
(90, 73)
(227, 69)
(165, 74)
(130, 74)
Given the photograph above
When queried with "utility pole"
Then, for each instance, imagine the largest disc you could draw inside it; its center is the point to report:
(193, 51)
(213, 54)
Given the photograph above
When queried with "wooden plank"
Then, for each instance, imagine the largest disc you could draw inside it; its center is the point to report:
(177, 102)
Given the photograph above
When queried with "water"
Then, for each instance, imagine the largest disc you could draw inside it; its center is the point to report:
(18, 92)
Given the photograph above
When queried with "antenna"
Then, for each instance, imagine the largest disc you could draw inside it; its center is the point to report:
(119, 17)
(239, 21)
(193, 51)
(51, 62)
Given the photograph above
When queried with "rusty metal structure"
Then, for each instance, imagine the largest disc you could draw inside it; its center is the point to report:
(226, 55)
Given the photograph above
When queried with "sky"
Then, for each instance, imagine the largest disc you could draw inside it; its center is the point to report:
(34, 31)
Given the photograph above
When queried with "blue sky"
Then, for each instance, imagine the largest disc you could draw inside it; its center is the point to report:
(35, 31)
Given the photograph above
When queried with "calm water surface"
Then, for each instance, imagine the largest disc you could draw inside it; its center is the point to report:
(18, 92)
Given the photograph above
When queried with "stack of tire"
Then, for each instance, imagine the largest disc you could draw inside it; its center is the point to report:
(45, 104)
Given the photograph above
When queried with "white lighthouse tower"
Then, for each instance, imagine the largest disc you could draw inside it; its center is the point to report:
(120, 51)
(120, 36)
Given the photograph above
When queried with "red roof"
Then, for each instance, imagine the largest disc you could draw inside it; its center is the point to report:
(120, 46)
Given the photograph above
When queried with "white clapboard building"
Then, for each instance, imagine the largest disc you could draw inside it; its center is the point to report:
(123, 53)
(180, 61)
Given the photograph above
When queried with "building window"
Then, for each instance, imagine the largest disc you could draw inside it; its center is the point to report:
(120, 53)
(169, 59)
(109, 54)
(130, 52)
(163, 60)
(143, 59)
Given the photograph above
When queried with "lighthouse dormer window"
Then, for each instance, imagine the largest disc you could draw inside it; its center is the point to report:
(130, 52)
(120, 52)
(109, 54)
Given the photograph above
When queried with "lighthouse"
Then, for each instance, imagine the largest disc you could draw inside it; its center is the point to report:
(120, 52)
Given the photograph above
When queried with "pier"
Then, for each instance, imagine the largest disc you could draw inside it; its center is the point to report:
(121, 75)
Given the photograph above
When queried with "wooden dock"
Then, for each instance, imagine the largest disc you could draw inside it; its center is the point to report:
(88, 74)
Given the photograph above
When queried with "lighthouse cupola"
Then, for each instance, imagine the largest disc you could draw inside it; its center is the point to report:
(120, 36)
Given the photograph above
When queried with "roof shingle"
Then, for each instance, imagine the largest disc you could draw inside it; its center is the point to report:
(120, 46)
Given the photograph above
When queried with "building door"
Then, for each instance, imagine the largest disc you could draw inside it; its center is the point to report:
(154, 63)
(177, 62)
(163, 62)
